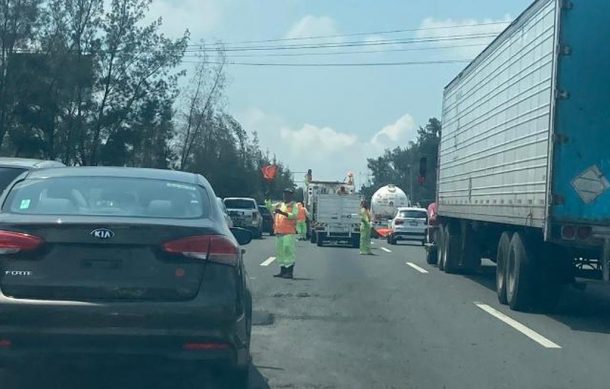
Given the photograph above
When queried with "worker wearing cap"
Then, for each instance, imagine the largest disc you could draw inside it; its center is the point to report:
(286, 214)
(302, 217)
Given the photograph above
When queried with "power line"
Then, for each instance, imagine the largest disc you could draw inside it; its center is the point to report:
(330, 64)
(384, 32)
(448, 38)
(263, 55)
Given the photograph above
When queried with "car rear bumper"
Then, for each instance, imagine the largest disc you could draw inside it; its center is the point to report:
(409, 234)
(71, 331)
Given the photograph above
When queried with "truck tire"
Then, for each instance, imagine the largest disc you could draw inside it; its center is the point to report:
(441, 247)
(320, 240)
(501, 257)
(431, 255)
(452, 254)
(520, 280)
(355, 241)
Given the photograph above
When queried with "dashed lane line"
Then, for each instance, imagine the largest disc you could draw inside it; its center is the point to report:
(418, 268)
(386, 250)
(533, 335)
(268, 261)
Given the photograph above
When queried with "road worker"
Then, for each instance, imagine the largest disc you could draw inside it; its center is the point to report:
(302, 217)
(285, 215)
(365, 229)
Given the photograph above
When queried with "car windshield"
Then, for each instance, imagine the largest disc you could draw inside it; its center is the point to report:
(240, 204)
(107, 196)
(413, 214)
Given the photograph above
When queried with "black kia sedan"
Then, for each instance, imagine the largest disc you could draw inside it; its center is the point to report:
(122, 263)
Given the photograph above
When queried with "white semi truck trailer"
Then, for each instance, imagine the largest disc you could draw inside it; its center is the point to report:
(524, 158)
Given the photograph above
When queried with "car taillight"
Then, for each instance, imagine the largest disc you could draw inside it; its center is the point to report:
(255, 216)
(223, 251)
(192, 247)
(584, 232)
(14, 242)
(399, 222)
(214, 248)
(568, 232)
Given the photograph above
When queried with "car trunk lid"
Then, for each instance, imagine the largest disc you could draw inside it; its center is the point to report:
(103, 259)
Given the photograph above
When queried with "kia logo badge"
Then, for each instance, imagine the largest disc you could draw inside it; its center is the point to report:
(102, 233)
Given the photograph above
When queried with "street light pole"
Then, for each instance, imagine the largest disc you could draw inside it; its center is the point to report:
(410, 184)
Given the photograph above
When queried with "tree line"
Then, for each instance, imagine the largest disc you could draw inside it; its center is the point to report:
(401, 166)
(86, 84)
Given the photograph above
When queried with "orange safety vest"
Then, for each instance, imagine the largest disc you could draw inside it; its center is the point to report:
(302, 215)
(282, 224)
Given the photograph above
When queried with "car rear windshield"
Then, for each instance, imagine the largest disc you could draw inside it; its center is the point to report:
(413, 214)
(7, 175)
(108, 196)
(240, 204)
(263, 210)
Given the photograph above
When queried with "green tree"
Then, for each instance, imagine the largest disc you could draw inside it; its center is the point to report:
(135, 62)
(401, 166)
(19, 21)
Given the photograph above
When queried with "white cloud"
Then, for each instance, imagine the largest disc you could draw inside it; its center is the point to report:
(311, 26)
(445, 28)
(198, 16)
(398, 133)
(317, 141)
(329, 152)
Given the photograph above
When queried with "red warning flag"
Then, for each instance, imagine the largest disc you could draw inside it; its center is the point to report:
(269, 172)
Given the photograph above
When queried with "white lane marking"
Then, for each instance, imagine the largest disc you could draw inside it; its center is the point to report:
(533, 335)
(268, 261)
(419, 269)
(386, 250)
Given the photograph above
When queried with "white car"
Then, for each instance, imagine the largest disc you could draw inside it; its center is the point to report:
(245, 214)
(409, 224)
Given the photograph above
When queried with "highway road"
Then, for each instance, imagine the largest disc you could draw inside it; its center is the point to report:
(388, 321)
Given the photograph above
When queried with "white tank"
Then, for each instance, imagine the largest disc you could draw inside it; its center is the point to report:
(386, 201)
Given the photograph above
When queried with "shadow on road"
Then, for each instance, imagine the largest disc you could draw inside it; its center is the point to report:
(582, 310)
(125, 377)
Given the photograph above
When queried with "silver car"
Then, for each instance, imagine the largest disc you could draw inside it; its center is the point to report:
(409, 224)
(245, 214)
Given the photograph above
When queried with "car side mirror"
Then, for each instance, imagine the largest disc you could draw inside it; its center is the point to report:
(242, 235)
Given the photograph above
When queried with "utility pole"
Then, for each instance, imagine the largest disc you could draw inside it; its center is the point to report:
(410, 184)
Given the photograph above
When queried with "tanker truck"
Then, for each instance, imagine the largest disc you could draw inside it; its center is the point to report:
(524, 163)
(385, 204)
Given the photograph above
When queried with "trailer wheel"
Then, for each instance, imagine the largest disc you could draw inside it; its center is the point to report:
(452, 256)
(431, 255)
(441, 247)
(501, 258)
(520, 273)
(355, 243)
(320, 240)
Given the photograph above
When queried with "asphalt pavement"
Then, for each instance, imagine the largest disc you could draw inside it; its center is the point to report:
(389, 321)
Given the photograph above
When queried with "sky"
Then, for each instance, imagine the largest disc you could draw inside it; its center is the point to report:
(331, 119)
